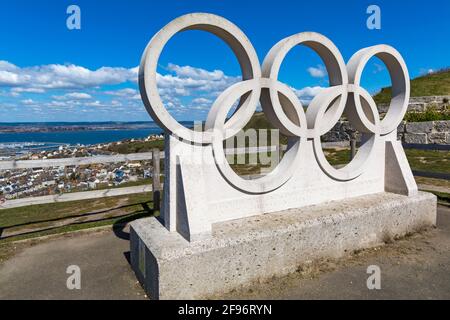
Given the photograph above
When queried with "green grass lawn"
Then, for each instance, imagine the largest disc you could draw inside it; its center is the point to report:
(136, 147)
(429, 160)
(428, 115)
(435, 84)
(433, 182)
(337, 157)
(422, 160)
(141, 182)
(107, 211)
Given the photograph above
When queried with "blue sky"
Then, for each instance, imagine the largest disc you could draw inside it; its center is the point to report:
(50, 73)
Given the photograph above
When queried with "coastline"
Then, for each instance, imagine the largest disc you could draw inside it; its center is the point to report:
(73, 126)
(19, 140)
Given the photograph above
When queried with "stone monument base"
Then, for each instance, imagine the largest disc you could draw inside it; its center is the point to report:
(257, 248)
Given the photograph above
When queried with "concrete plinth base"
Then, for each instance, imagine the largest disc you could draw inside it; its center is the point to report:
(256, 248)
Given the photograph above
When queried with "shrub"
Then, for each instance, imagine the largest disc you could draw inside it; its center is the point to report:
(431, 114)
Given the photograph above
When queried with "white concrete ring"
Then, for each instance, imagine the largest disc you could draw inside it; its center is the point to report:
(218, 26)
(362, 114)
(280, 113)
(365, 153)
(399, 78)
(320, 116)
(285, 169)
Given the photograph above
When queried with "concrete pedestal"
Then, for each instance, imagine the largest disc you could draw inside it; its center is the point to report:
(256, 248)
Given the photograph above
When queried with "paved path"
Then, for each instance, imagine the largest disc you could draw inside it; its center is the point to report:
(416, 267)
(39, 271)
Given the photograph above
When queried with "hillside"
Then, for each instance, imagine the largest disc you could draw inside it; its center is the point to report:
(433, 84)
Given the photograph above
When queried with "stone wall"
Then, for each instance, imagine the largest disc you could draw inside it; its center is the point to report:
(421, 104)
(342, 131)
(431, 132)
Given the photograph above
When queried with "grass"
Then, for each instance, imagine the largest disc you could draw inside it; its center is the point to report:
(433, 182)
(57, 210)
(429, 160)
(435, 84)
(69, 228)
(6, 251)
(337, 157)
(422, 160)
(8, 247)
(141, 182)
(136, 147)
(431, 114)
(246, 164)
(107, 211)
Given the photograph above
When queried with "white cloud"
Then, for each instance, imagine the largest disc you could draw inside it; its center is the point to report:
(96, 103)
(317, 72)
(425, 71)
(78, 95)
(58, 104)
(308, 93)
(27, 90)
(56, 76)
(74, 96)
(7, 66)
(126, 93)
(183, 87)
(202, 101)
(8, 78)
(28, 101)
(195, 73)
(122, 92)
(201, 87)
(185, 90)
(378, 68)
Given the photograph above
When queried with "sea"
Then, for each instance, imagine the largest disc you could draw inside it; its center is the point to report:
(22, 138)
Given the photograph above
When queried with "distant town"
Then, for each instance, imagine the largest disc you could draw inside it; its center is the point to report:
(72, 126)
(20, 183)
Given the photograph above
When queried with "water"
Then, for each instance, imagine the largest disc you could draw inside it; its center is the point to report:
(76, 137)
(23, 142)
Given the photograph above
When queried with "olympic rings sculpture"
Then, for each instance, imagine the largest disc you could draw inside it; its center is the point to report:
(280, 104)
